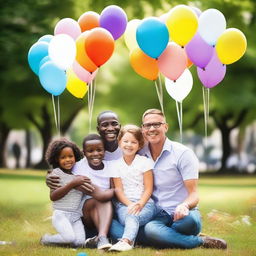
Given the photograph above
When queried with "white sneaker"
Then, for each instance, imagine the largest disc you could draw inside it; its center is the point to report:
(45, 239)
(121, 246)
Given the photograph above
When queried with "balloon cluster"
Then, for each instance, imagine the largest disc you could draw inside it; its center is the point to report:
(171, 43)
(70, 59)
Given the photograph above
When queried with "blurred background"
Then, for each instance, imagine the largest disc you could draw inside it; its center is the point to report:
(26, 113)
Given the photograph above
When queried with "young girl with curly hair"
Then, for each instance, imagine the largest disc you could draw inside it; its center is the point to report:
(62, 155)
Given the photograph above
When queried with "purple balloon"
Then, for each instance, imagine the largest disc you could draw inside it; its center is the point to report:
(113, 19)
(213, 73)
(198, 51)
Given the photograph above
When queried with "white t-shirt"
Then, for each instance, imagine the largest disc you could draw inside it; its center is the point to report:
(100, 178)
(132, 175)
(71, 201)
(109, 156)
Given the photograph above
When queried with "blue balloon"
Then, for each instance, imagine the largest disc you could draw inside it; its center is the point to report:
(35, 54)
(152, 37)
(44, 60)
(52, 78)
(45, 38)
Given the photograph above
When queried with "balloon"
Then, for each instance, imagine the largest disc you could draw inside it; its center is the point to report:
(173, 61)
(198, 51)
(180, 89)
(163, 17)
(152, 37)
(89, 20)
(99, 46)
(81, 55)
(213, 73)
(69, 27)
(189, 62)
(75, 86)
(62, 50)
(45, 38)
(196, 10)
(182, 23)
(82, 73)
(114, 19)
(44, 60)
(52, 78)
(144, 65)
(35, 54)
(231, 46)
(212, 24)
(130, 34)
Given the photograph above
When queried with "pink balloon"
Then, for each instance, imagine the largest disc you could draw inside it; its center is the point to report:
(173, 61)
(213, 73)
(69, 27)
(82, 73)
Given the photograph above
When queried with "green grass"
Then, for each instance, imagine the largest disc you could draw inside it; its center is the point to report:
(25, 209)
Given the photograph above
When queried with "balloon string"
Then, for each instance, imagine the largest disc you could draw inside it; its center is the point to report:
(58, 100)
(205, 116)
(89, 105)
(179, 119)
(181, 122)
(54, 111)
(93, 97)
(161, 93)
(158, 95)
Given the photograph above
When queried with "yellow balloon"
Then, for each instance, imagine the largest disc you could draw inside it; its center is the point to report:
(75, 86)
(130, 34)
(231, 45)
(182, 23)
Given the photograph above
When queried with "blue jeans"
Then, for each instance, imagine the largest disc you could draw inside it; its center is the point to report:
(131, 222)
(163, 232)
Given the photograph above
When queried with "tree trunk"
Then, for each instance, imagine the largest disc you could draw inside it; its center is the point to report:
(28, 146)
(223, 123)
(4, 132)
(45, 130)
(226, 146)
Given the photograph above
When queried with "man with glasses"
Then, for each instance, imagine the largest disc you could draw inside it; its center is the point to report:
(177, 222)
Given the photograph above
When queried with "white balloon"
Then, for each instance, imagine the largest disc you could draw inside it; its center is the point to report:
(180, 89)
(130, 34)
(62, 51)
(212, 24)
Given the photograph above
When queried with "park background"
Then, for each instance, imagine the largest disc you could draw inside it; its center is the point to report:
(228, 203)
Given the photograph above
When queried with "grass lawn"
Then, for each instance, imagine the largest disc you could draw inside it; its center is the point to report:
(228, 207)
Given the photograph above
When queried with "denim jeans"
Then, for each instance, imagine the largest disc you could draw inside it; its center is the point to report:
(131, 222)
(163, 232)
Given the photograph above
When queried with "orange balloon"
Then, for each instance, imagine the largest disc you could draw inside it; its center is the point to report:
(99, 45)
(144, 65)
(81, 56)
(190, 63)
(89, 20)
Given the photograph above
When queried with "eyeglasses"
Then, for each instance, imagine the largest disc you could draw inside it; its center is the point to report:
(147, 126)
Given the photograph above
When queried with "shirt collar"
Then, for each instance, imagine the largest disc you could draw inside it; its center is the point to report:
(167, 147)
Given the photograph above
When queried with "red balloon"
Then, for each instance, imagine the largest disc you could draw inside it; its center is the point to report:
(99, 46)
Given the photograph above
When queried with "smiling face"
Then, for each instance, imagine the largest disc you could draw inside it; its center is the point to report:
(94, 152)
(129, 144)
(66, 159)
(108, 126)
(154, 128)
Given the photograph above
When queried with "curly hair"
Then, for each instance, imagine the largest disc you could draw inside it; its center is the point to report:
(55, 147)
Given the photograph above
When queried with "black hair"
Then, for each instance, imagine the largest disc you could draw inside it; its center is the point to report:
(91, 137)
(104, 112)
(55, 147)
